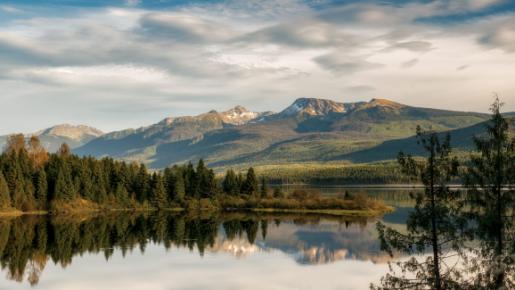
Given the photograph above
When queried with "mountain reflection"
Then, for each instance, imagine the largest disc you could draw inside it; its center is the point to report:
(27, 243)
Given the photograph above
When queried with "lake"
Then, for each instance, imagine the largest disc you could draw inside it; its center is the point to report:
(176, 251)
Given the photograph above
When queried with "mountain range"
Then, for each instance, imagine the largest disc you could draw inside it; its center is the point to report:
(310, 129)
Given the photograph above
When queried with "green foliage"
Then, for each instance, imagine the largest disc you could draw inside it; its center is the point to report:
(159, 197)
(63, 186)
(490, 181)
(66, 182)
(264, 187)
(41, 189)
(5, 197)
(179, 190)
(337, 173)
(434, 225)
(230, 183)
(250, 185)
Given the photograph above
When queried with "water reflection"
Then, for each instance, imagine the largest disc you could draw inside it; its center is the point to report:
(28, 243)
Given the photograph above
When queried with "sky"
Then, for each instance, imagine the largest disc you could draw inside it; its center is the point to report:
(128, 63)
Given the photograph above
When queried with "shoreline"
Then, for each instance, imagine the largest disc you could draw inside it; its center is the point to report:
(371, 186)
(333, 212)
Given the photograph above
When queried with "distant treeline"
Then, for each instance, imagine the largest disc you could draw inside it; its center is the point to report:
(382, 173)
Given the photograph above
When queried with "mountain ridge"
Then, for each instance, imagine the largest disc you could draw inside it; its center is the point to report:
(309, 129)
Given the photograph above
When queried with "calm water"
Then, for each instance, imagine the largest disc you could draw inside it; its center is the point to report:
(167, 251)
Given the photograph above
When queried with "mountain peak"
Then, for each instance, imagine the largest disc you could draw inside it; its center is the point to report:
(74, 132)
(314, 107)
(238, 115)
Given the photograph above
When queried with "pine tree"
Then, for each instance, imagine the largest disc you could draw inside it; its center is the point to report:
(169, 181)
(159, 193)
(250, 185)
(86, 183)
(179, 188)
(191, 181)
(142, 184)
(19, 196)
(63, 186)
(490, 181)
(205, 182)
(434, 224)
(230, 183)
(264, 187)
(121, 195)
(5, 197)
(41, 189)
(240, 179)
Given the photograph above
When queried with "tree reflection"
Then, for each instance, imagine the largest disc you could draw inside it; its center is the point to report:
(28, 242)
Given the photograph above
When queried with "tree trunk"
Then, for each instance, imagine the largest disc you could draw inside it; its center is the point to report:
(434, 239)
(499, 279)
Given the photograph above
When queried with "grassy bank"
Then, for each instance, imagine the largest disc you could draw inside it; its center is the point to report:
(300, 202)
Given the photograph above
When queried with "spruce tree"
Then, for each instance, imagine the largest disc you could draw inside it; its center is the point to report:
(240, 179)
(490, 181)
(19, 196)
(250, 185)
(264, 187)
(41, 189)
(169, 180)
(205, 182)
(5, 197)
(159, 193)
(179, 190)
(191, 181)
(63, 186)
(121, 195)
(433, 225)
(142, 184)
(230, 183)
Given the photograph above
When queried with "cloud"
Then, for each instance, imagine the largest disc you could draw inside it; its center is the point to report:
(344, 64)
(301, 34)
(183, 28)
(415, 46)
(501, 36)
(133, 2)
(462, 67)
(467, 5)
(410, 63)
(9, 9)
(97, 76)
